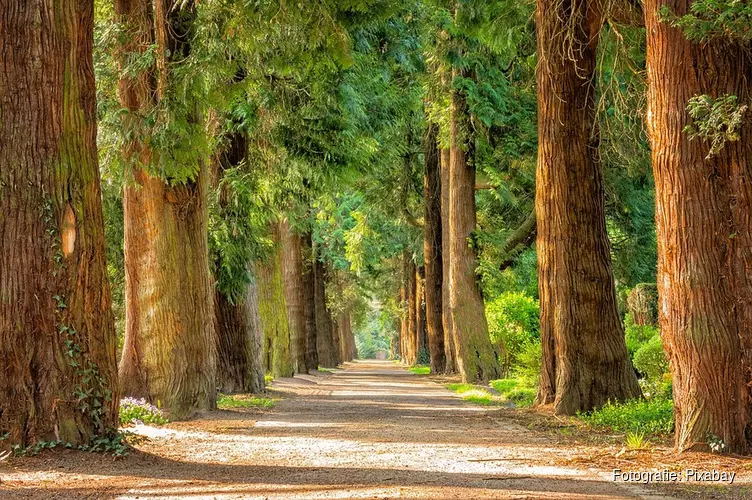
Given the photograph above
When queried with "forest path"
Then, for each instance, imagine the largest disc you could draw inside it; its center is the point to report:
(369, 430)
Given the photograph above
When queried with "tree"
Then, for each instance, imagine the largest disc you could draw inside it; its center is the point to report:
(169, 355)
(292, 263)
(585, 360)
(477, 360)
(703, 206)
(433, 249)
(57, 339)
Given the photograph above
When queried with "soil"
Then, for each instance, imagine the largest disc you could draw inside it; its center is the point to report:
(371, 429)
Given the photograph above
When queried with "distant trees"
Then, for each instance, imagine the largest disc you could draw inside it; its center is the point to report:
(58, 378)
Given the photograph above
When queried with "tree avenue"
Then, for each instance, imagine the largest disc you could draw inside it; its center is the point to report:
(545, 203)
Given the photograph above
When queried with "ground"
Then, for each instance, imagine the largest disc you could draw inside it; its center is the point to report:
(369, 430)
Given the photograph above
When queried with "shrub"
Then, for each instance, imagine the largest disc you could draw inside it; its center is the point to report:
(133, 411)
(513, 324)
(655, 416)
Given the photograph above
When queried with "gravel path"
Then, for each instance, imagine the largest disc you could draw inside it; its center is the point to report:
(369, 430)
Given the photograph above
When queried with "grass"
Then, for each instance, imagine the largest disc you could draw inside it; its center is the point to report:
(420, 369)
(638, 416)
(513, 389)
(226, 402)
(474, 394)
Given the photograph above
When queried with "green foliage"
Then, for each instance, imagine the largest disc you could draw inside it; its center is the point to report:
(474, 394)
(518, 390)
(133, 411)
(225, 402)
(513, 324)
(654, 416)
(716, 120)
(420, 369)
(708, 19)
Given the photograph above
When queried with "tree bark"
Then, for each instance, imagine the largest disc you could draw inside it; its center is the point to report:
(704, 238)
(324, 327)
(477, 359)
(273, 311)
(585, 360)
(309, 304)
(57, 338)
(169, 355)
(446, 310)
(292, 262)
(432, 244)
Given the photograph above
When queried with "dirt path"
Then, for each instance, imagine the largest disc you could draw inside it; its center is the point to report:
(370, 430)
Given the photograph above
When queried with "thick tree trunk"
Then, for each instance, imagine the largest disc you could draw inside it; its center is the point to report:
(432, 249)
(704, 235)
(324, 328)
(292, 262)
(57, 337)
(446, 310)
(309, 304)
(273, 311)
(240, 354)
(477, 360)
(585, 361)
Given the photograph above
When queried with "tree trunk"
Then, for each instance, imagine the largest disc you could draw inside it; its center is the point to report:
(585, 360)
(432, 249)
(292, 262)
(309, 304)
(57, 337)
(273, 311)
(324, 327)
(477, 360)
(704, 239)
(241, 346)
(446, 310)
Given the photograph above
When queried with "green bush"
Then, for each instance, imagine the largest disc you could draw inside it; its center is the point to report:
(654, 416)
(636, 336)
(513, 325)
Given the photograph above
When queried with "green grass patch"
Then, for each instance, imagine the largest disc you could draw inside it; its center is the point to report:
(638, 416)
(474, 394)
(420, 369)
(226, 402)
(515, 390)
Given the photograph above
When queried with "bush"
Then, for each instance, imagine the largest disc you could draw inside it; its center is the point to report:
(513, 325)
(134, 411)
(655, 416)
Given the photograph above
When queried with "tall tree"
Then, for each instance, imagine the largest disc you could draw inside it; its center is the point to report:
(476, 358)
(703, 207)
(585, 360)
(169, 355)
(292, 263)
(57, 339)
(432, 248)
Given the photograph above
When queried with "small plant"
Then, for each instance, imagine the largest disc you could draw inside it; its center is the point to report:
(420, 369)
(636, 440)
(134, 411)
(225, 402)
(715, 443)
(715, 120)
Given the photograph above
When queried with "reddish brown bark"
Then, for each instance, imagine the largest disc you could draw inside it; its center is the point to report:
(292, 263)
(585, 361)
(703, 209)
(309, 304)
(477, 360)
(169, 355)
(432, 249)
(55, 308)
(446, 310)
